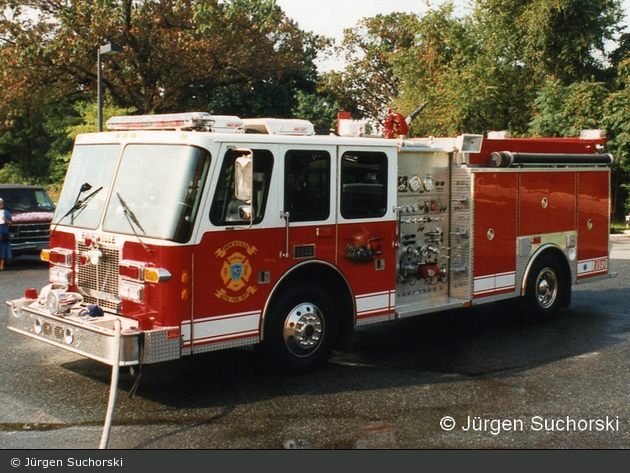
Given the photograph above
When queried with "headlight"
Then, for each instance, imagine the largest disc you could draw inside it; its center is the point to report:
(60, 275)
(130, 291)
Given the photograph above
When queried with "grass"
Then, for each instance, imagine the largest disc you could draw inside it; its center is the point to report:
(618, 227)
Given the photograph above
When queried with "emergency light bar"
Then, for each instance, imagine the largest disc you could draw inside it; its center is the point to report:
(173, 121)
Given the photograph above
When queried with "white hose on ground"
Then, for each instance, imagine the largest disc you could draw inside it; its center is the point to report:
(113, 388)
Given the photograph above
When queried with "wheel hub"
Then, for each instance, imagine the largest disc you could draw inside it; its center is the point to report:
(303, 329)
(547, 287)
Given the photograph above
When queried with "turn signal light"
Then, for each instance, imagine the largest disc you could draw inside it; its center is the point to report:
(156, 275)
(57, 256)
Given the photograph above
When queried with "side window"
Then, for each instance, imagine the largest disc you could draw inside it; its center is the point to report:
(307, 185)
(227, 208)
(363, 185)
(43, 201)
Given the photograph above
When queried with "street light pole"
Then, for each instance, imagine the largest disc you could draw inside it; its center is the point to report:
(105, 50)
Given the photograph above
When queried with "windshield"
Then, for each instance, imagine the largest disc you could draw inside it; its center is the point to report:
(91, 168)
(157, 191)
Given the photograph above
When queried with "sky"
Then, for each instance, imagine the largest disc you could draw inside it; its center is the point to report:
(331, 17)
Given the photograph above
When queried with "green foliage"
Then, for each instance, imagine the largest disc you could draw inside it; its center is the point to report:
(84, 119)
(241, 57)
(369, 84)
(560, 39)
(617, 127)
(567, 110)
(319, 108)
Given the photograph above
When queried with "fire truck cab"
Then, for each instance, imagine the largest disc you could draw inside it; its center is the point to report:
(186, 233)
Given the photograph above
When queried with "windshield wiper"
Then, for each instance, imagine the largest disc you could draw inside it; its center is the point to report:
(79, 204)
(132, 219)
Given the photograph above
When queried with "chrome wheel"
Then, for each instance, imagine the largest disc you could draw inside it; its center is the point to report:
(547, 288)
(299, 328)
(303, 329)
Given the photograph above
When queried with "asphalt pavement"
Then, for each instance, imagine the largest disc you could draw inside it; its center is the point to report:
(479, 378)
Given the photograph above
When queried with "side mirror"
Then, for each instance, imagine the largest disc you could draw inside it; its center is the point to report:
(243, 178)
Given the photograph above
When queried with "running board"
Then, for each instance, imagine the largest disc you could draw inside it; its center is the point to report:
(434, 305)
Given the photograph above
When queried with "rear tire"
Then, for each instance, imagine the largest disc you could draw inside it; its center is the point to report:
(546, 289)
(299, 329)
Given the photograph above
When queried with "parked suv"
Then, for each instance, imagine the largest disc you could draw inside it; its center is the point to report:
(31, 211)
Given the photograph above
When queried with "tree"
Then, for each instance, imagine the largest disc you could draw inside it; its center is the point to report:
(483, 72)
(560, 39)
(440, 68)
(369, 85)
(617, 125)
(242, 57)
(567, 110)
(319, 108)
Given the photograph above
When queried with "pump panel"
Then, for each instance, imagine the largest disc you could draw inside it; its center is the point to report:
(424, 227)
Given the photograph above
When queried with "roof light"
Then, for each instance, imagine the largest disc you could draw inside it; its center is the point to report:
(592, 134)
(172, 121)
(227, 124)
(498, 135)
(279, 126)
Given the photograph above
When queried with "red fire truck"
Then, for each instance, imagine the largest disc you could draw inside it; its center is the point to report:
(186, 233)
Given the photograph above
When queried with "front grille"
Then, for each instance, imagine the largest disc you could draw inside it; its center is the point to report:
(30, 232)
(99, 283)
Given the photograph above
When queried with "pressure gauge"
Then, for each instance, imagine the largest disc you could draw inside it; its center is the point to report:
(428, 184)
(414, 184)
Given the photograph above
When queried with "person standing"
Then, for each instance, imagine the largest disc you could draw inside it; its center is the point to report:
(5, 241)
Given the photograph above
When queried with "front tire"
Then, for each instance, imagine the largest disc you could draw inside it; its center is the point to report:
(299, 329)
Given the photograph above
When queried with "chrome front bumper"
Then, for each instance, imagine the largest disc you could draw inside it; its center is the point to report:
(95, 339)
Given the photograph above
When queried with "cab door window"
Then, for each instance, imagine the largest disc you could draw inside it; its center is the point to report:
(363, 184)
(307, 185)
(231, 203)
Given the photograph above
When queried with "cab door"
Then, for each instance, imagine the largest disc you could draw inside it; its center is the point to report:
(308, 206)
(237, 258)
(366, 252)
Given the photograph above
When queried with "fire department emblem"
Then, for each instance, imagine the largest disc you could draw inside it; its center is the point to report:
(236, 271)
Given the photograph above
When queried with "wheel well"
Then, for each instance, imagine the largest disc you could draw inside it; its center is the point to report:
(558, 255)
(329, 278)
